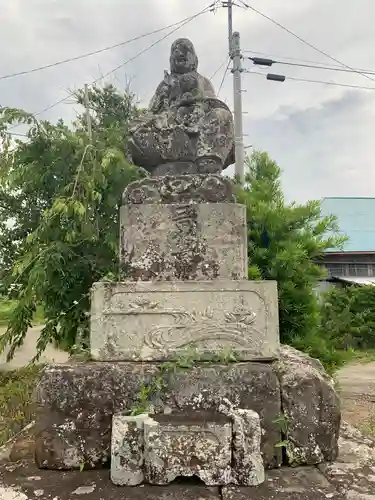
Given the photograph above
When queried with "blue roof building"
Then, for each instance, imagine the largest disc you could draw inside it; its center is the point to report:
(355, 261)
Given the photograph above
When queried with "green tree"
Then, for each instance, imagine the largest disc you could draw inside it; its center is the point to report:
(348, 317)
(285, 242)
(61, 193)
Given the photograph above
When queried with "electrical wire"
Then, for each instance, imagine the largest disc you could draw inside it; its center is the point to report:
(315, 66)
(223, 79)
(87, 54)
(314, 47)
(218, 69)
(307, 80)
(182, 23)
(309, 61)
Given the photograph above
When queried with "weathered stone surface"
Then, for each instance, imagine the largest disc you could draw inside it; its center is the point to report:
(189, 241)
(248, 468)
(186, 445)
(251, 386)
(303, 483)
(311, 407)
(352, 477)
(20, 481)
(156, 320)
(353, 473)
(77, 402)
(127, 446)
(180, 189)
(185, 123)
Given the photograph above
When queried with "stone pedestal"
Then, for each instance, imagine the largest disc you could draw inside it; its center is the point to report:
(77, 402)
(157, 320)
(186, 227)
(218, 448)
(183, 242)
(188, 444)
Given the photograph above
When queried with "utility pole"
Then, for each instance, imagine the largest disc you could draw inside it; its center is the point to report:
(235, 55)
(87, 108)
(229, 6)
(237, 103)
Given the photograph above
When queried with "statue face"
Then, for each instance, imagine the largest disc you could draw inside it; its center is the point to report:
(183, 57)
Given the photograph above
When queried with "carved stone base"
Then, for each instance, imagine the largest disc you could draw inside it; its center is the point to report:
(180, 189)
(157, 320)
(193, 241)
(219, 448)
(187, 445)
(77, 402)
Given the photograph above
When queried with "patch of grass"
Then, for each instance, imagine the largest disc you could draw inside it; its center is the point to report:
(367, 427)
(17, 407)
(7, 307)
(365, 356)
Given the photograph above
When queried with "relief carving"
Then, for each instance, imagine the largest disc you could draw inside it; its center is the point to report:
(197, 328)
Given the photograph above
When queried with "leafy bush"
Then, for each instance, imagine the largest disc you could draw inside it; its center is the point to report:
(348, 317)
(62, 192)
(285, 242)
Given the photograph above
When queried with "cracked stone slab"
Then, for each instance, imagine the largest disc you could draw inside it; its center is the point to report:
(188, 444)
(311, 407)
(127, 446)
(76, 402)
(15, 484)
(158, 320)
(303, 483)
(353, 473)
(188, 241)
(248, 467)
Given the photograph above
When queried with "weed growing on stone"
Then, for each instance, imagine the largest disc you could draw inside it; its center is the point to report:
(17, 407)
(186, 360)
(283, 422)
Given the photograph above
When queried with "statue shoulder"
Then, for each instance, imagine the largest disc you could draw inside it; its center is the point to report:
(207, 86)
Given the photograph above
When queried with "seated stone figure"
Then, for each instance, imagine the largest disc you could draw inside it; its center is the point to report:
(186, 129)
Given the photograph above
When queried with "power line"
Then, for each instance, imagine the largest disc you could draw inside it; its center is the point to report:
(182, 23)
(307, 80)
(218, 69)
(314, 47)
(224, 75)
(316, 66)
(309, 61)
(87, 54)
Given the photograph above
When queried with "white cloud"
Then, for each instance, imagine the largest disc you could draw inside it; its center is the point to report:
(320, 135)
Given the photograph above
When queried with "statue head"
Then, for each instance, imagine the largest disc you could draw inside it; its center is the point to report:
(183, 57)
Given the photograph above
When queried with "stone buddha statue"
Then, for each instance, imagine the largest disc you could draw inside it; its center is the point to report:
(186, 129)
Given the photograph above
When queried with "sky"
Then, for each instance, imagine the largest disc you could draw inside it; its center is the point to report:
(321, 136)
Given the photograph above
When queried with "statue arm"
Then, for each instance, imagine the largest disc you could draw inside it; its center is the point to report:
(157, 99)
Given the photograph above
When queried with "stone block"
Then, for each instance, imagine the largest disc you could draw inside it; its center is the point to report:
(248, 468)
(188, 445)
(183, 241)
(302, 483)
(311, 407)
(76, 403)
(252, 386)
(127, 449)
(180, 189)
(156, 321)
